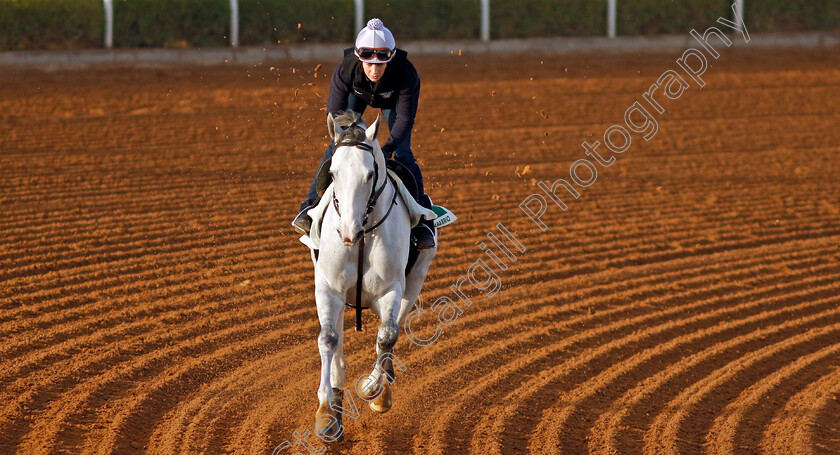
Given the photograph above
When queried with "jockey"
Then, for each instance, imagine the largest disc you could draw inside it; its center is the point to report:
(377, 74)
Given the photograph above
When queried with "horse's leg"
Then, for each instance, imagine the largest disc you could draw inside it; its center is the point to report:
(338, 373)
(413, 286)
(386, 339)
(414, 283)
(339, 364)
(330, 308)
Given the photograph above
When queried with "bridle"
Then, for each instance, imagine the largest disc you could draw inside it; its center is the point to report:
(374, 192)
(371, 204)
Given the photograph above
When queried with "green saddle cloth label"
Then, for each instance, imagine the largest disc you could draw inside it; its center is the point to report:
(444, 216)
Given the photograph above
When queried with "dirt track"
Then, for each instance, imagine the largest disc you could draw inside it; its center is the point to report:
(154, 300)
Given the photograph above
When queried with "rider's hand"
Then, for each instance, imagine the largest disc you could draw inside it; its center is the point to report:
(388, 151)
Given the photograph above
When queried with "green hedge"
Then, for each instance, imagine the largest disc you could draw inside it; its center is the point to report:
(156, 23)
(50, 24)
(427, 19)
(641, 17)
(276, 21)
(544, 18)
(794, 15)
(66, 24)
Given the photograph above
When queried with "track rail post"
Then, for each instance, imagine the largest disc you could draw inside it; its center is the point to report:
(108, 5)
(739, 15)
(234, 23)
(485, 20)
(360, 15)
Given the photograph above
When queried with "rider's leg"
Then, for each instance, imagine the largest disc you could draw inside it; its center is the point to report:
(425, 231)
(312, 197)
(355, 104)
(302, 222)
(405, 156)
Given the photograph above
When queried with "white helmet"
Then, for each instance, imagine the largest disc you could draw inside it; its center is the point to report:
(375, 43)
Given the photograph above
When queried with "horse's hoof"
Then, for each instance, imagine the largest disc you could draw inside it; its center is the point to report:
(328, 428)
(382, 403)
(336, 405)
(369, 391)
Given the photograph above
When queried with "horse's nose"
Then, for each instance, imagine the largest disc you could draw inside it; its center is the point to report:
(351, 241)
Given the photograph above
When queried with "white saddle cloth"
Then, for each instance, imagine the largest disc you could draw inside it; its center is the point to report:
(415, 210)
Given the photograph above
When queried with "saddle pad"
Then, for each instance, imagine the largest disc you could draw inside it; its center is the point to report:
(317, 215)
(415, 212)
(444, 217)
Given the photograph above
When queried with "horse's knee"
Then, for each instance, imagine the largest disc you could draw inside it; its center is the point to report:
(328, 339)
(387, 337)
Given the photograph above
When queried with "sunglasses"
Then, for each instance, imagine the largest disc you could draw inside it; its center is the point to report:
(367, 53)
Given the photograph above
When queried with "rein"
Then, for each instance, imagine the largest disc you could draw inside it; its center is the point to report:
(374, 197)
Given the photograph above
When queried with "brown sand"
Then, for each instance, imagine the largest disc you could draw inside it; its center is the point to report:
(153, 298)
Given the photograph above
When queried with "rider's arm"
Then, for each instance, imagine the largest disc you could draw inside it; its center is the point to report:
(337, 99)
(406, 110)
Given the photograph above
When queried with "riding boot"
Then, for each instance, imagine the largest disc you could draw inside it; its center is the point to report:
(423, 235)
(303, 222)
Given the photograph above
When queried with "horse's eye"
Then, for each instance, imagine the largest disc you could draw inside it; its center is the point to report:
(369, 177)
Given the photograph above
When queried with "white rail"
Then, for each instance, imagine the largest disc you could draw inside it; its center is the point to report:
(109, 23)
(360, 15)
(485, 20)
(611, 7)
(234, 23)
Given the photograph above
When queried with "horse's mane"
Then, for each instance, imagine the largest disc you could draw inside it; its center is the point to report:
(354, 132)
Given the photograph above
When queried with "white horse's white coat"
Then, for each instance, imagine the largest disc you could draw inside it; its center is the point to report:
(385, 288)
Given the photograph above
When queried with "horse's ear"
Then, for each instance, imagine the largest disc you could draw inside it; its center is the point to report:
(331, 125)
(373, 130)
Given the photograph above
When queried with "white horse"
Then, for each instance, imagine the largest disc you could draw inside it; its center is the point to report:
(365, 209)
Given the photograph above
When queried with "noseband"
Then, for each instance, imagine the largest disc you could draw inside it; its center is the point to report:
(374, 193)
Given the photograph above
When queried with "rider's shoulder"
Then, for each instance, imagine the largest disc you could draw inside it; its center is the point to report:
(401, 61)
(349, 58)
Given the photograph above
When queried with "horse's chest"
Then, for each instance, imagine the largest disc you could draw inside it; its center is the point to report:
(341, 270)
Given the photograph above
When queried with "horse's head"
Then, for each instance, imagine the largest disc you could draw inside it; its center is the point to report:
(355, 172)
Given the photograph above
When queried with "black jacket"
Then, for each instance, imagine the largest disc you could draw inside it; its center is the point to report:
(399, 89)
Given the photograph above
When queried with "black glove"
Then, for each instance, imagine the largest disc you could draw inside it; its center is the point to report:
(388, 151)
